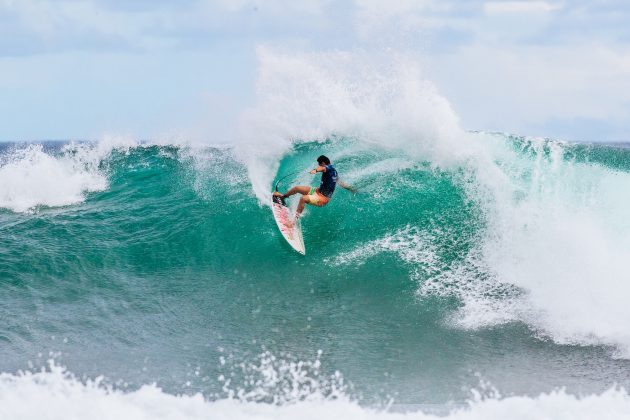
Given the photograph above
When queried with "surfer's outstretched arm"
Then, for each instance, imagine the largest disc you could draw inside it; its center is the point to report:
(347, 187)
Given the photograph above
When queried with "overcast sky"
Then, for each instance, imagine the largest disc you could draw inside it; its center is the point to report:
(78, 69)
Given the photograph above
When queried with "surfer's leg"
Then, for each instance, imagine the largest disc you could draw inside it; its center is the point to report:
(301, 189)
(315, 198)
(300, 207)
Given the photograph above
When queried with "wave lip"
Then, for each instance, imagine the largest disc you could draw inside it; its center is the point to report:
(33, 176)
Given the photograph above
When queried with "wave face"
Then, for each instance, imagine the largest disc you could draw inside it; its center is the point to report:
(168, 270)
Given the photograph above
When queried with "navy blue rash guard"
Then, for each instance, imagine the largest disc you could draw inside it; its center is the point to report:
(329, 181)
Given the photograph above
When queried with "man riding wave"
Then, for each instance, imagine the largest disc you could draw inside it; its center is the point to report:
(319, 196)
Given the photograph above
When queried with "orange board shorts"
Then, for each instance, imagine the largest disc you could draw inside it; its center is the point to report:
(315, 198)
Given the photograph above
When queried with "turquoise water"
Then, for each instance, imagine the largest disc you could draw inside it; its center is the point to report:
(158, 264)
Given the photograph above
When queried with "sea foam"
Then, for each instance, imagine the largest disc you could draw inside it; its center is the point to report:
(31, 176)
(55, 394)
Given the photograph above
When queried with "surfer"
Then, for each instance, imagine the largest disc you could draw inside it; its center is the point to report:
(316, 196)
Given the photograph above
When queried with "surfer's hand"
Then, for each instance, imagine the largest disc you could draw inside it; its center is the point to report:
(313, 172)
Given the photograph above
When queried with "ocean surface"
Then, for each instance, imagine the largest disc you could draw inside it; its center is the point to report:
(475, 275)
(149, 281)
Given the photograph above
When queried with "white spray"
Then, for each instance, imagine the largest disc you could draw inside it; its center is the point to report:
(556, 229)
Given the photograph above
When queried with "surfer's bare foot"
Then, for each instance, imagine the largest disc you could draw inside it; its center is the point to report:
(289, 223)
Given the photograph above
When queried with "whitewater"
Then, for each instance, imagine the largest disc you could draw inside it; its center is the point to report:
(474, 275)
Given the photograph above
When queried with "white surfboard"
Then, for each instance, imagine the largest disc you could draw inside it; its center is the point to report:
(293, 234)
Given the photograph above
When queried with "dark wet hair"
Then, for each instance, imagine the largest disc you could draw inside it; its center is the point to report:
(323, 159)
